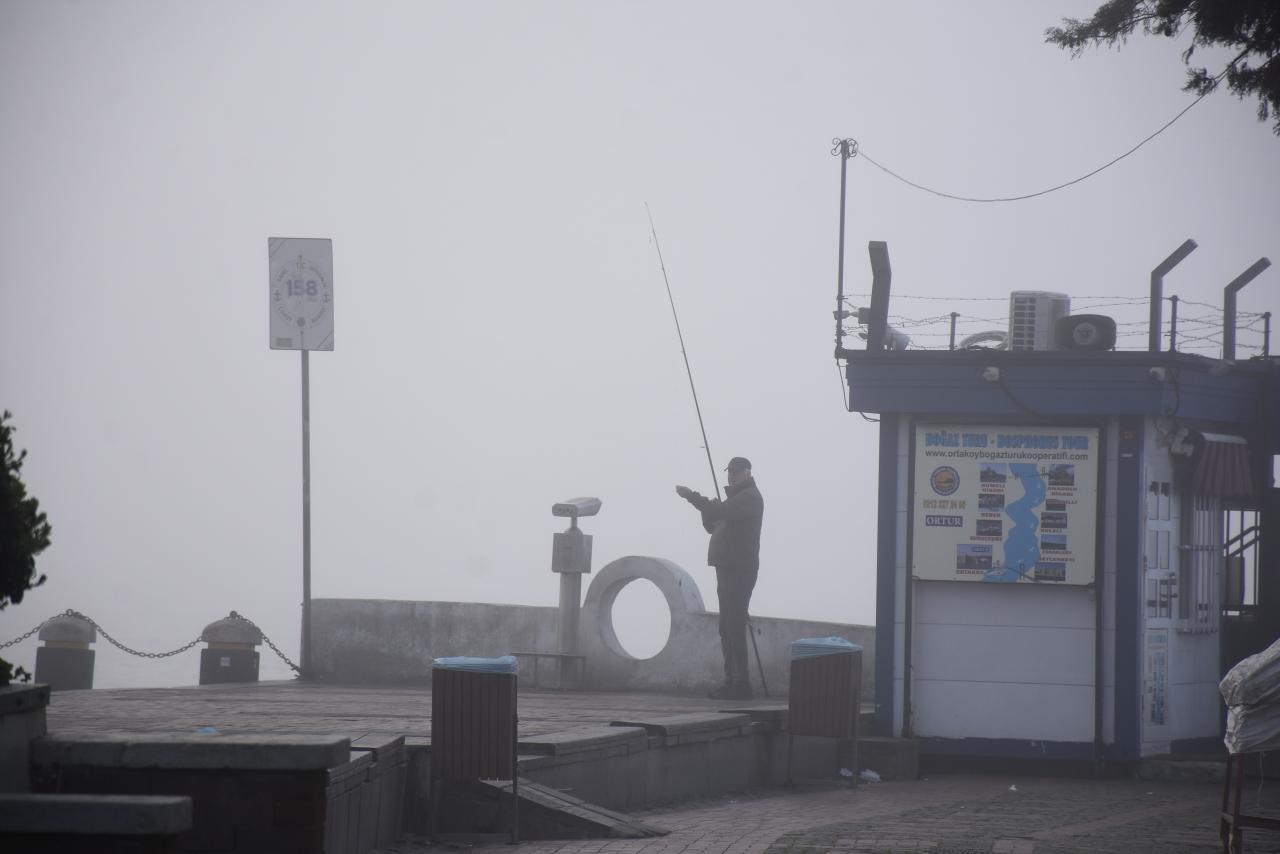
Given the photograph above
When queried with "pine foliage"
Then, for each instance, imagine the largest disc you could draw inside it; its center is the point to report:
(1250, 29)
(24, 530)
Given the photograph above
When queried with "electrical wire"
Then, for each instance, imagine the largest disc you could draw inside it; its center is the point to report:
(844, 391)
(862, 153)
(844, 395)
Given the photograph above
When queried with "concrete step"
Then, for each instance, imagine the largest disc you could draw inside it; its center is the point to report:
(547, 813)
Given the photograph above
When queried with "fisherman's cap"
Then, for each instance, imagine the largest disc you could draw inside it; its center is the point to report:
(738, 464)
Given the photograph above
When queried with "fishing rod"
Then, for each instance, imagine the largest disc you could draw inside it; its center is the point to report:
(705, 445)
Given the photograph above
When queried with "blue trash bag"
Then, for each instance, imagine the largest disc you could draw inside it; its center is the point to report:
(809, 647)
(504, 664)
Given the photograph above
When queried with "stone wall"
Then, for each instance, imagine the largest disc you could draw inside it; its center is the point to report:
(390, 641)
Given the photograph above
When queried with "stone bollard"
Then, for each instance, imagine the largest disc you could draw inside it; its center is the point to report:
(230, 655)
(65, 662)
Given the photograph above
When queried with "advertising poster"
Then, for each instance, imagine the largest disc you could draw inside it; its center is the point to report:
(1005, 504)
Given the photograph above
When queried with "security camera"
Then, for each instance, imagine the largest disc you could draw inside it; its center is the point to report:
(575, 507)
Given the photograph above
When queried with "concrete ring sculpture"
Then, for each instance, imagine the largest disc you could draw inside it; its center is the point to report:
(676, 585)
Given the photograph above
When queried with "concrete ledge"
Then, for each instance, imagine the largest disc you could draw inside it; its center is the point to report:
(221, 752)
(22, 720)
(605, 738)
(20, 698)
(690, 723)
(95, 815)
(356, 769)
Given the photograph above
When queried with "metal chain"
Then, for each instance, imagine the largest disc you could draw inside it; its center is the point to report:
(130, 650)
(295, 668)
(73, 613)
(21, 638)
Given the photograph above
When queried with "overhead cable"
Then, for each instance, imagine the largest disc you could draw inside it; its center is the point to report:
(863, 153)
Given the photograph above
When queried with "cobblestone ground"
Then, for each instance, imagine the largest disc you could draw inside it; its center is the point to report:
(1045, 817)
(941, 815)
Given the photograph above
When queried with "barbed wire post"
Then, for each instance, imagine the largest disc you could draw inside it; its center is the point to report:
(1229, 305)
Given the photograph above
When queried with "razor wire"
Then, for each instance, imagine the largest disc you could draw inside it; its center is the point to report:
(70, 612)
(1197, 333)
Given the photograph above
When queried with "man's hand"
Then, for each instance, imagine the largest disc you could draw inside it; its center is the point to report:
(684, 492)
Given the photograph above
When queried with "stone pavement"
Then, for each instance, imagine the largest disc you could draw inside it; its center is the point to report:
(294, 707)
(948, 814)
(943, 814)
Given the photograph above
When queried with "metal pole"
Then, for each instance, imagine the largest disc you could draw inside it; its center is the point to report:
(1157, 290)
(1266, 334)
(751, 632)
(954, 315)
(845, 148)
(1173, 323)
(570, 604)
(1229, 305)
(306, 518)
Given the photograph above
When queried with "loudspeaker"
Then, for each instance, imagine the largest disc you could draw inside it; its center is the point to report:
(1085, 332)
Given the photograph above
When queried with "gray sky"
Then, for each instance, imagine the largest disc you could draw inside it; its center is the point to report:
(503, 338)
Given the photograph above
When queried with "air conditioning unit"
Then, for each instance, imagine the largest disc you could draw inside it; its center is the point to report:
(1032, 316)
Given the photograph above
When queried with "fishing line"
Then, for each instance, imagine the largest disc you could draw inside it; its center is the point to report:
(705, 445)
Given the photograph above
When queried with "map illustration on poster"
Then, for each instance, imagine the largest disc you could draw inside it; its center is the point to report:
(1005, 504)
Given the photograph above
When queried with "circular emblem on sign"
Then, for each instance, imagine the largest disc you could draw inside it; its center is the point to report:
(944, 480)
(302, 295)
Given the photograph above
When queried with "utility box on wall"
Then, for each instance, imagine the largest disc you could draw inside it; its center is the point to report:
(571, 552)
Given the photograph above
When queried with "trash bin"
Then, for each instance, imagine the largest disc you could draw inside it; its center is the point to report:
(825, 695)
(473, 735)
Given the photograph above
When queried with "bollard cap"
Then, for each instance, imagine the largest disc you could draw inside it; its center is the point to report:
(231, 630)
(68, 629)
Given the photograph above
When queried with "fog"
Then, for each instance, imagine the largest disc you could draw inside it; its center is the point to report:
(503, 338)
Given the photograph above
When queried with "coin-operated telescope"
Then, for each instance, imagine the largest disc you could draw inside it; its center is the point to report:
(571, 558)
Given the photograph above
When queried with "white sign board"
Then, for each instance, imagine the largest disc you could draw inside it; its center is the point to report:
(1005, 504)
(301, 293)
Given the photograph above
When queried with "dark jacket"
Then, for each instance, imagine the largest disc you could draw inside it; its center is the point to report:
(734, 524)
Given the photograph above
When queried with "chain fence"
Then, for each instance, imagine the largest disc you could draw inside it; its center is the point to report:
(73, 613)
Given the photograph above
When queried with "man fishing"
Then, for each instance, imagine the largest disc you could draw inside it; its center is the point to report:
(734, 550)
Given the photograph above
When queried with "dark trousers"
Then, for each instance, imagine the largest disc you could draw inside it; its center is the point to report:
(734, 584)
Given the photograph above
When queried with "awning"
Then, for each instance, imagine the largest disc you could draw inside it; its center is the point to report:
(1220, 466)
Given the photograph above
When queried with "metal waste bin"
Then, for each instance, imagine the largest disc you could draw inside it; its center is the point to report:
(473, 735)
(825, 695)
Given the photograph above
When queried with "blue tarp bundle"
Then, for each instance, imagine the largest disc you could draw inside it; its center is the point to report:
(809, 647)
(505, 664)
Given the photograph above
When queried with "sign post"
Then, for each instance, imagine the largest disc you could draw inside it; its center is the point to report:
(301, 312)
